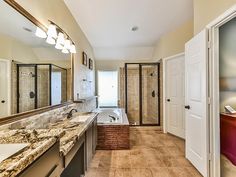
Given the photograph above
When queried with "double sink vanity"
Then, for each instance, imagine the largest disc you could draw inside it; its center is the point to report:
(63, 148)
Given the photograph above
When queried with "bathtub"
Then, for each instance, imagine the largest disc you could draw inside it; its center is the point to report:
(113, 129)
(112, 116)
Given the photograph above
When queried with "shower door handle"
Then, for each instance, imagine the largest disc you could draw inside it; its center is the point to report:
(153, 93)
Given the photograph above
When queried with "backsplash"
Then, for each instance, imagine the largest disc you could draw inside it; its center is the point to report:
(40, 121)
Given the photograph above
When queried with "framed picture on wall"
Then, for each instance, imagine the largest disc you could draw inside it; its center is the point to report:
(84, 59)
(90, 64)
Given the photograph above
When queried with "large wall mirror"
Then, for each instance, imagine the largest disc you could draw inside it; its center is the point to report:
(33, 73)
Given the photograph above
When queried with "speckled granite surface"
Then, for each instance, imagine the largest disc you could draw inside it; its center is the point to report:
(73, 131)
(40, 141)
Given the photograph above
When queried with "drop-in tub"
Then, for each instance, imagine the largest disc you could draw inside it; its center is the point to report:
(113, 129)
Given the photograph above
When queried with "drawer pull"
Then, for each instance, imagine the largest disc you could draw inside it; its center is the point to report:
(51, 171)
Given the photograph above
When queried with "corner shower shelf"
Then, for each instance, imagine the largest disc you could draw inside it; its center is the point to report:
(83, 100)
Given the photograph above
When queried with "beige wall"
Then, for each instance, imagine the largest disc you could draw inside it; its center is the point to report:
(207, 10)
(12, 49)
(115, 64)
(56, 11)
(173, 42)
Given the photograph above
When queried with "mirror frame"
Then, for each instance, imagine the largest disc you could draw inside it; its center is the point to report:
(23, 115)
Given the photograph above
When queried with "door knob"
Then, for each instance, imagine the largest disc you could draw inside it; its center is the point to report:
(187, 107)
(168, 100)
(3, 101)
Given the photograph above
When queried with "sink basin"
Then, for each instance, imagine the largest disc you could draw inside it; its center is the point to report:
(80, 119)
(8, 150)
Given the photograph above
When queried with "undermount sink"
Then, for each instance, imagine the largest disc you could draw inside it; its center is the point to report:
(7, 150)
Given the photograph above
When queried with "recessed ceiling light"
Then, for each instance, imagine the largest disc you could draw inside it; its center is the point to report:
(134, 28)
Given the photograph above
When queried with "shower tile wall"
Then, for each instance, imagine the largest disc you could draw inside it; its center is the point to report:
(13, 91)
(43, 87)
(150, 102)
(27, 85)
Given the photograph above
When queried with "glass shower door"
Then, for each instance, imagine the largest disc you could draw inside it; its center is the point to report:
(142, 93)
(26, 88)
(150, 94)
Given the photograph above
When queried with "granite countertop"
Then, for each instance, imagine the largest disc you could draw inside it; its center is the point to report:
(73, 131)
(40, 140)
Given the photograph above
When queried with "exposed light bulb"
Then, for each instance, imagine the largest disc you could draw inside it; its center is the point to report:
(50, 40)
(52, 31)
(40, 33)
(72, 49)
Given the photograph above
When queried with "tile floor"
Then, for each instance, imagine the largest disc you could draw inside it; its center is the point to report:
(152, 154)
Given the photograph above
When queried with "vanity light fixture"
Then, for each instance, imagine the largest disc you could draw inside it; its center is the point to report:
(56, 36)
(64, 50)
(60, 41)
(67, 44)
(50, 40)
(52, 31)
(72, 48)
(40, 33)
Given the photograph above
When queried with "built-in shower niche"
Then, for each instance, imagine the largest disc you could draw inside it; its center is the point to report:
(39, 85)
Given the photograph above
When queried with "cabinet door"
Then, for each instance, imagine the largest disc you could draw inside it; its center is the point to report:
(89, 144)
(94, 135)
(47, 165)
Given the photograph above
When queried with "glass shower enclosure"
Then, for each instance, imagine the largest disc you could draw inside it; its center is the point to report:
(39, 85)
(142, 93)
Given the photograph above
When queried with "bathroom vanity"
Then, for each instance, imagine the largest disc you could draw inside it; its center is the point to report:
(63, 148)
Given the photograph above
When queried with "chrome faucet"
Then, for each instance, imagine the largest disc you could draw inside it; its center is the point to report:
(70, 114)
(113, 118)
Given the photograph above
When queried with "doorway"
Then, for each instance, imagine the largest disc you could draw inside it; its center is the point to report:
(220, 87)
(174, 94)
(5, 88)
(142, 93)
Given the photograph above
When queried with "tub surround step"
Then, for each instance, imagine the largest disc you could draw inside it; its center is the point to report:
(40, 140)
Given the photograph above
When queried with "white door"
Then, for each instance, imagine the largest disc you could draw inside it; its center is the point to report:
(5, 81)
(56, 88)
(196, 55)
(175, 99)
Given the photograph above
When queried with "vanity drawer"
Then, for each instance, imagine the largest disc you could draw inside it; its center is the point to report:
(45, 166)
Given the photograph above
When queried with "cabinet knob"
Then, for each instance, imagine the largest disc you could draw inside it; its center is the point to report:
(168, 100)
(3, 101)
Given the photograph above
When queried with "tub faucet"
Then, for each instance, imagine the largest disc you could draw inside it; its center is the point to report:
(70, 114)
(113, 118)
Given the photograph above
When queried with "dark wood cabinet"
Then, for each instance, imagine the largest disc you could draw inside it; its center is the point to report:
(47, 165)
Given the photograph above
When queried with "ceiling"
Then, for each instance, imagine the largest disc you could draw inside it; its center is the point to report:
(107, 24)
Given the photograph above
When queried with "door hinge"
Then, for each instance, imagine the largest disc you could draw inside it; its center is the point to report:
(209, 100)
